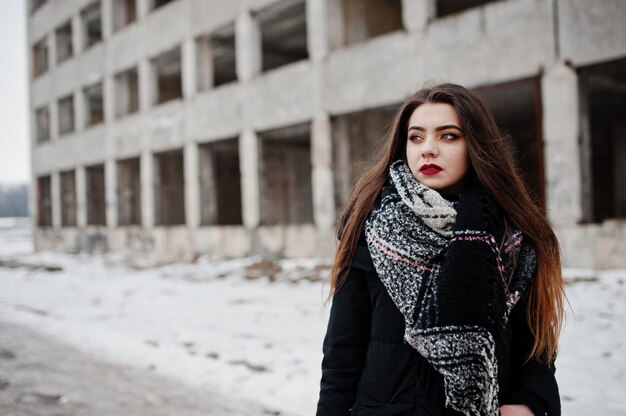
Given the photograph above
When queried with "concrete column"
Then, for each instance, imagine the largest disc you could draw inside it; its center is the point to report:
(143, 8)
(343, 169)
(146, 84)
(32, 122)
(248, 62)
(205, 78)
(54, 120)
(81, 196)
(146, 163)
(559, 96)
(33, 201)
(247, 46)
(586, 164)
(192, 185)
(110, 192)
(52, 51)
(79, 110)
(55, 195)
(108, 91)
(325, 32)
(77, 35)
(106, 13)
(249, 154)
(417, 13)
(318, 26)
(189, 67)
(323, 184)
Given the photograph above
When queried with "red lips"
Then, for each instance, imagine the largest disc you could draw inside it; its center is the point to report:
(430, 169)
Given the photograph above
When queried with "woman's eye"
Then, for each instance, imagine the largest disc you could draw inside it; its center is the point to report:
(415, 138)
(449, 136)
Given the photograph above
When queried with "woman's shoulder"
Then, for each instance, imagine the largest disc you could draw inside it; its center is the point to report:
(362, 258)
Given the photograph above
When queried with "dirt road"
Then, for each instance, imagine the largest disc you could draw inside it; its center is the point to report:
(40, 377)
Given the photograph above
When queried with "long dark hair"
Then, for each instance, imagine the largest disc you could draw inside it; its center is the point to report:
(492, 162)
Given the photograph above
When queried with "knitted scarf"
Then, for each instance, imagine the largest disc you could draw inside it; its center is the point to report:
(441, 263)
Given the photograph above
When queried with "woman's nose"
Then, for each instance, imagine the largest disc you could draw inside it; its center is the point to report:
(429, 147)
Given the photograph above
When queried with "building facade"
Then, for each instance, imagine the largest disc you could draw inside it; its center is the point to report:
(230, 128)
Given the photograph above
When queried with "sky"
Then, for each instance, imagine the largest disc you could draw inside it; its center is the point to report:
(14, 143)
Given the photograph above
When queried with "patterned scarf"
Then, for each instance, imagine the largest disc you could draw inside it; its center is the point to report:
(455, 286)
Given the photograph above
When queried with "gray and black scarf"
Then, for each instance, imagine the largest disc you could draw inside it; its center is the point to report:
(441, 263)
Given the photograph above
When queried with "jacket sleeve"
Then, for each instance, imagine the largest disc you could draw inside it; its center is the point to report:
(534, 383)
(345, 345)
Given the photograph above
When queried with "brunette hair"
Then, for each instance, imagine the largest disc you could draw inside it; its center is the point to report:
(492, 162)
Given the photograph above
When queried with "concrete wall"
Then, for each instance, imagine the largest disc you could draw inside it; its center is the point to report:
(591, 32)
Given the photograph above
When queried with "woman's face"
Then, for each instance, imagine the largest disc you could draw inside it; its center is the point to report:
(436, 148)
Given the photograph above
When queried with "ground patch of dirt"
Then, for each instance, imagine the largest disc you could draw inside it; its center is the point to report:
(41, 377)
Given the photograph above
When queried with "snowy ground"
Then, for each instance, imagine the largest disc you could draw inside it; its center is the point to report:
(42, 376)
(216, 325)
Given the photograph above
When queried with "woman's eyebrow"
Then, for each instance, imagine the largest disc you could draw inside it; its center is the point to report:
(444, 127)
(448, 126)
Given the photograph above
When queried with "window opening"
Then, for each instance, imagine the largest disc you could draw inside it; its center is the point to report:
(170, 188)
(286, 191)
(126, 92)
(220, 183)
(94, 107)
(44, 201)
(96, 205)
(68, 199)
(66, 114)
(129, 192)
(167, 71)
(92, 25)
(124, 13)
(42, 119)
(40, 57)
(283, 33)
(63, 37)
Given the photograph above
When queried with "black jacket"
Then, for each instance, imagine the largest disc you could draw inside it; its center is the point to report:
(367, 369)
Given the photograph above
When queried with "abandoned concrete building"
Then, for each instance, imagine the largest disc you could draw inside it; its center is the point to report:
(230, 128)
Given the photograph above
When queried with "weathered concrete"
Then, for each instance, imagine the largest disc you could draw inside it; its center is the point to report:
(81, 196)
(173, 242)
(323, 184)
(147, 189)
(592, 32)
(559, 93)
(192, 184)
(354, 81)
(110, 184)
(417, 13)
(57, 238)
(249, 150)
(289, 241)
(216, 114)
(189, 67)
(55, 194)
(247, 46)
(106, 7)
(223, 242)
(318, 15)
(132, 239)
(596, 246)
(268, 106)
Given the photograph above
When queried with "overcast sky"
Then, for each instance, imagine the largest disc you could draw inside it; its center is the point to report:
(14, 146)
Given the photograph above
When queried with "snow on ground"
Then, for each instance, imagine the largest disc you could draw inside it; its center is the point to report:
(207, 325)
(591, 368)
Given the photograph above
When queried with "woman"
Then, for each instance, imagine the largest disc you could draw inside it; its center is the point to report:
(447, 288)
